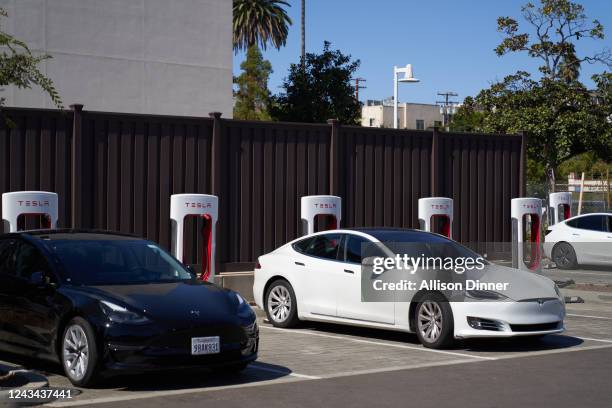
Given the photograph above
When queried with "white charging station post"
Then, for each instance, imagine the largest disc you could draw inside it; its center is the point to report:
(526, 216)
(439, 210)
(18, 205)
(313, 208)
(559, 207)
(202, 206)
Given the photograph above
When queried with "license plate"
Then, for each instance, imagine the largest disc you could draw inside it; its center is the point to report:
(205, 345)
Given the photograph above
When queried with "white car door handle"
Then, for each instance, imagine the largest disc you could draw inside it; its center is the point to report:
(349, 271)
(576, 235)
(299, 263)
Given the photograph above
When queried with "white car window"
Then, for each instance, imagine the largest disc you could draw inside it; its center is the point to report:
(324, 246)
(590, 222)
(352, 248)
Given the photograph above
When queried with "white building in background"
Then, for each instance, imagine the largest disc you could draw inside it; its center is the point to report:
(138, 56)
(418, 116)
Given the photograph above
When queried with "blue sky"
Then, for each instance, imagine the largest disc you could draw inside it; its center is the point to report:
(449, 42)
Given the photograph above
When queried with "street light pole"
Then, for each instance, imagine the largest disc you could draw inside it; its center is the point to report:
(407, 71)
(395, 92)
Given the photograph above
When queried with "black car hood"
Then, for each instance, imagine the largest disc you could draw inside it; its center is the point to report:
(176, 303)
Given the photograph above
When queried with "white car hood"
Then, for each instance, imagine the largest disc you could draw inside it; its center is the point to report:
(522, 285)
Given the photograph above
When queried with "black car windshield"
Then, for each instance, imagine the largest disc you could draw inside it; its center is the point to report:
(117, 262)
(418, 243)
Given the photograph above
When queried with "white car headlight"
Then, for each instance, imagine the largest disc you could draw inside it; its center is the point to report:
(119, 314)
(484, 295)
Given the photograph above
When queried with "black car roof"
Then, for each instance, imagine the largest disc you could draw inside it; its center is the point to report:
(72, 234)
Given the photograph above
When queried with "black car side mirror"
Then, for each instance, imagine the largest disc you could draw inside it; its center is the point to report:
(191, 270)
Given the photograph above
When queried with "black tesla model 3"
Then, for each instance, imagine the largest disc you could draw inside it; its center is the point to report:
(99, 302)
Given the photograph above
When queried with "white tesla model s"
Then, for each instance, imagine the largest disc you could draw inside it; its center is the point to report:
(318, 277)
(581, 240)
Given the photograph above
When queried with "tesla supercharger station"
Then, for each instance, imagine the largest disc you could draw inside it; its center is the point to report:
(436, 215)
(526, 233)
(200, 206)
(559, 207)
(19, 205)
(319, 210)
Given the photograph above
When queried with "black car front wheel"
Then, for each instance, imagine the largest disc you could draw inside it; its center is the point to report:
(79, 354)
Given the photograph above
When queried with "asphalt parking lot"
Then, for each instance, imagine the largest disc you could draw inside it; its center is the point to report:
(321, 364)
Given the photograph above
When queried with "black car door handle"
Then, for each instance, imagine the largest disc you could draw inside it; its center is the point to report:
(348, 271)
(299, 263)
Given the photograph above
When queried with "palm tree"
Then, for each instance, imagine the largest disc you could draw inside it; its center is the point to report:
(303, 33)
(259, 23)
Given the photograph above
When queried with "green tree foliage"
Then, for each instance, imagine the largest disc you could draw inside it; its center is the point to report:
(256, 24)
(253, 97)
(561, 116)
(556, 26)
(19, 67)
(259, 22)
(320, 91)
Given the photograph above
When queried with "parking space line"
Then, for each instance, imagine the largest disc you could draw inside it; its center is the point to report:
(168, 393)
(275, 371)
(591, 317)
(553, 351)
(591, 339)
(377, 343)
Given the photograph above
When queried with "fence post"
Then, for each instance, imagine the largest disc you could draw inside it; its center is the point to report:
(435, 163)
(216, 184)
(523, 165)
(336, 162)
(215, 162)
(77, 166)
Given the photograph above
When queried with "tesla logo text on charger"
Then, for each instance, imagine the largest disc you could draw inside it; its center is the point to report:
(531, 206)
(33, 203)
(440, 206)
(325, 205)
(197, 205)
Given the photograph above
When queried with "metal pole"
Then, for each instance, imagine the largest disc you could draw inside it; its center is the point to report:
(395, 124)
(581, 193)
(608, 187)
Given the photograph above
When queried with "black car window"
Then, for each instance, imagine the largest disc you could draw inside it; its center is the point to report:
(324, 246)
(117, 262)
(29, 260)
(301, 246)
(352, 248)
(590, 222)
(7, 256)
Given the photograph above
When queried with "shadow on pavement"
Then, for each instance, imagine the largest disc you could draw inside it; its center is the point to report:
(506, 345)
(170, 379)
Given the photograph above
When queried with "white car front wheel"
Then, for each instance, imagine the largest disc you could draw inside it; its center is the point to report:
(434, 321)
(281, 305)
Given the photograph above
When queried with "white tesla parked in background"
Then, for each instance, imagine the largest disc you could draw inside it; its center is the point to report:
(581, 240)
(318, 277)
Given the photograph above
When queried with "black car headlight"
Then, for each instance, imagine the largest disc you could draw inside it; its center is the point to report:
(244, 309)
(120, 314)
(485, 295)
